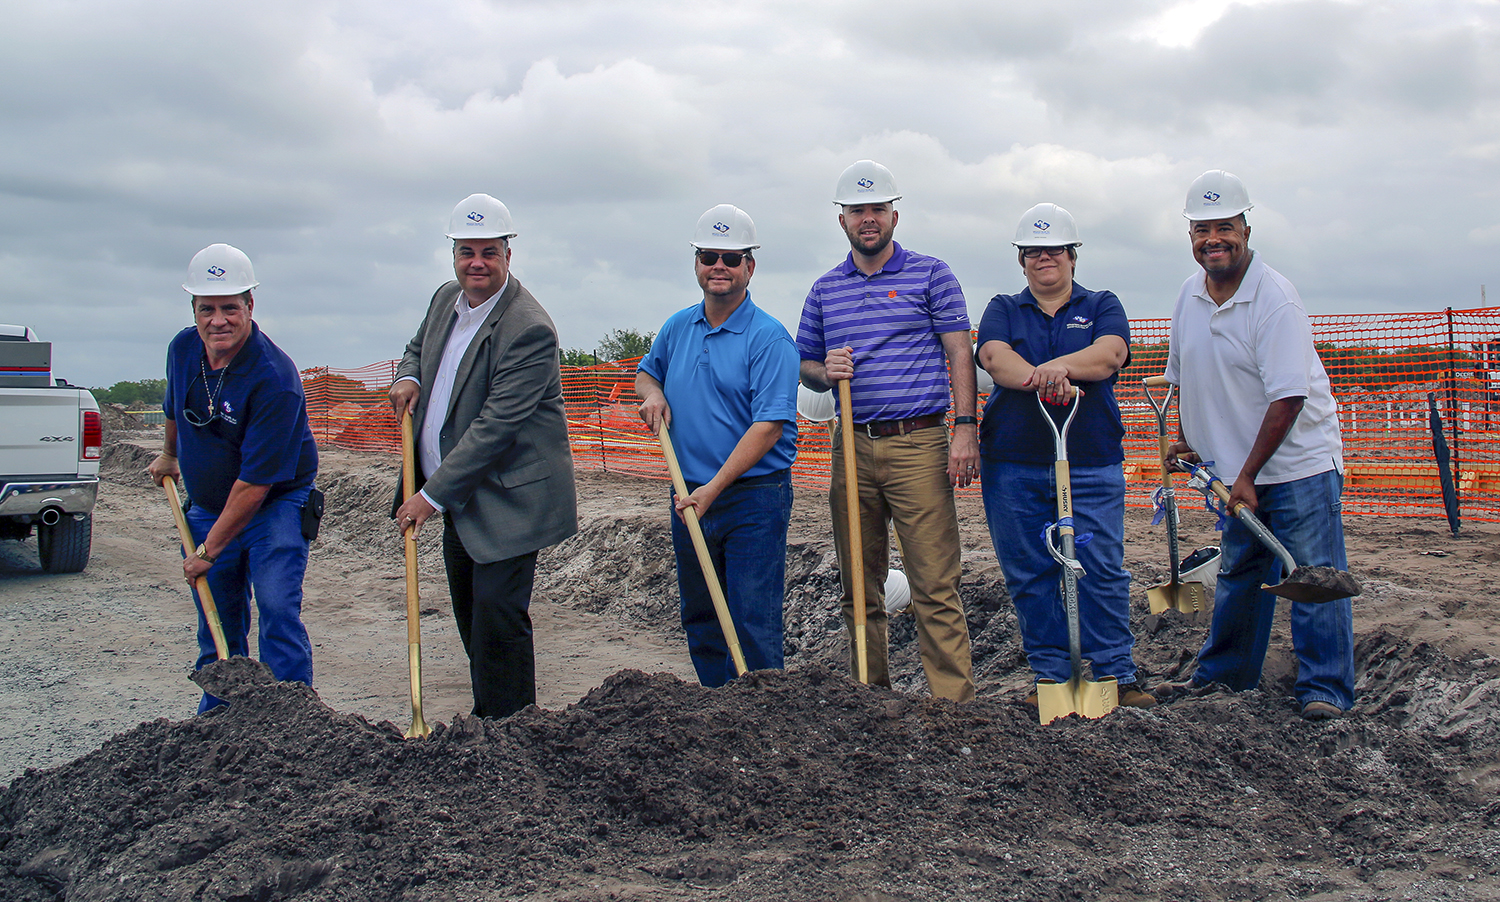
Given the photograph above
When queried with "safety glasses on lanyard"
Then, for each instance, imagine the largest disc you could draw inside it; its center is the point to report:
(213, 397)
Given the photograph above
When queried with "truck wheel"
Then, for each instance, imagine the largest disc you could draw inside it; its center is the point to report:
(64, 546)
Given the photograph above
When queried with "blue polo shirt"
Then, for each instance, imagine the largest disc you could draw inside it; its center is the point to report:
(892, 320)
(720, 381)
(1012, 429)
(260, 435)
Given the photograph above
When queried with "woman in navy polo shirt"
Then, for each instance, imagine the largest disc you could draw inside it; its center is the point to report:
(1052, 336)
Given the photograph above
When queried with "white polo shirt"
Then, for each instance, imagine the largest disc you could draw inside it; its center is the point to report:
(1230, 362)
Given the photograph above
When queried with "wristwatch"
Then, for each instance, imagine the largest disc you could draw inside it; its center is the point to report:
(202, 554)
(970, 421)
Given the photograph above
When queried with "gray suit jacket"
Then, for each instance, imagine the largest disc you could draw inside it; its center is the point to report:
(506, 478)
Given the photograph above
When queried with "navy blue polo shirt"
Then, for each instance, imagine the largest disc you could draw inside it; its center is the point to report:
(1012, 429)
(260, 435)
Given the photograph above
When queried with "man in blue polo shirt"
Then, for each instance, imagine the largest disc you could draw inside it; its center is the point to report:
(237, 437)
(896, 325)
(729, 370)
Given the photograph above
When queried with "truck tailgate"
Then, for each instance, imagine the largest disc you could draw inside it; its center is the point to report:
(42, 432)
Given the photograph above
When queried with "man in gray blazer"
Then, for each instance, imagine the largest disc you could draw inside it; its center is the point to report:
(481, 380)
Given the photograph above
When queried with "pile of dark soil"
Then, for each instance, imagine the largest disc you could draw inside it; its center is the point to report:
(782, 786)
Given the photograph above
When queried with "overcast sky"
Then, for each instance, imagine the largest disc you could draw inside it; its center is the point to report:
(331, 140)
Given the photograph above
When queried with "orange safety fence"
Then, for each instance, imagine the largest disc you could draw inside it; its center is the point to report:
(1383, 368)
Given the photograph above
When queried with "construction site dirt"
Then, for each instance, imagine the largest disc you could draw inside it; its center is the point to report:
(631, 782)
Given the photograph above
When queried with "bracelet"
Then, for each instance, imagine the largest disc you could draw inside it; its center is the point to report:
(966, 421)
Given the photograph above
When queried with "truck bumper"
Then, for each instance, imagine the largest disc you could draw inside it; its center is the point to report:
(27, 499)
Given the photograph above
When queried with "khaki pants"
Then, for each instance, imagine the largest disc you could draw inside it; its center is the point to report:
(904, 479)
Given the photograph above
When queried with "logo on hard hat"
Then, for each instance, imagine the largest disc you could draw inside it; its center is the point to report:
(866, 184)
(721, 227)
(216, 271)
(1041, 225)
(476, 217)
(1211, 196)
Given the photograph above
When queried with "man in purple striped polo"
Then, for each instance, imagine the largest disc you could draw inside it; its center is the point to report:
(895, 324)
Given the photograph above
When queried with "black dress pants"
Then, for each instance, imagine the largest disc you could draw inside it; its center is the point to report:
(490, 603)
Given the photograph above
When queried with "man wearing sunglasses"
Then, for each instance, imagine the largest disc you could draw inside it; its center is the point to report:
(729, 372)
(481, 381)
(895, 324)
(237, 436)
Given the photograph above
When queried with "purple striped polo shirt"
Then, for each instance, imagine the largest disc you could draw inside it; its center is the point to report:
(892, 321)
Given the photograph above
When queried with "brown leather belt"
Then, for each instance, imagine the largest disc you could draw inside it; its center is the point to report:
(884, 428)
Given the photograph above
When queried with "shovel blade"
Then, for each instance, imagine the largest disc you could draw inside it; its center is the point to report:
(1317, 584)
(1189, 598)
(1077, 696)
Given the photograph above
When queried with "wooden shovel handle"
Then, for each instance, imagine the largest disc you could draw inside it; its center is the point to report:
(856, 537)
(205, 597)
(419, 728)
(705, 560)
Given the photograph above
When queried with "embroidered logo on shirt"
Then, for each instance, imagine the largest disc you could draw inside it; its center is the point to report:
(225, 411)
(1080, 322)
(891, 293)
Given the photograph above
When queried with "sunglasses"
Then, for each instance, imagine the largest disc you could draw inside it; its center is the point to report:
(731, 259)
(1031, 253)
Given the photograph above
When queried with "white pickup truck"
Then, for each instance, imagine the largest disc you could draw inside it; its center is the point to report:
(51, 440)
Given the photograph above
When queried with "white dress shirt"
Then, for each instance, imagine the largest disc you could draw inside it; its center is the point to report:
(440, 393)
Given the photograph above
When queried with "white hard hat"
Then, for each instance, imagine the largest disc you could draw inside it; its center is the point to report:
(480, 216)
(897, 592)
(1046, 225)
(866, 182)
(219, 270)
(814, 405)
(725, 228)
(1216, 194)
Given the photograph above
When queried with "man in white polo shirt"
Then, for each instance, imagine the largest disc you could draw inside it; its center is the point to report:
(1255, 401)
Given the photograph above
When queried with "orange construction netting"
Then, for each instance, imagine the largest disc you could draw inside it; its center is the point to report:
(1384, 368)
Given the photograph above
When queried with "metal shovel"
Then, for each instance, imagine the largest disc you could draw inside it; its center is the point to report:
(419, 728)
(705, 560)
(1315, 584)
(1077, 696)
(1187, 597)
(205, 597)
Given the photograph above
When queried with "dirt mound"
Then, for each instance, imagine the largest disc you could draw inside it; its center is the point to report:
(798, 782)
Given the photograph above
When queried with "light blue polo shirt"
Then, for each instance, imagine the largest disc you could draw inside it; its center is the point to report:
(720, 381)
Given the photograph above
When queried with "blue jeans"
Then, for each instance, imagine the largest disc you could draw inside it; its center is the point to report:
(1306, 515)
(1019, 500)
(270, 556)
(745, 531)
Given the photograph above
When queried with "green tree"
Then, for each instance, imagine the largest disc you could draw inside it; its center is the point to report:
(578, 357)
(621, 344)
(140, 393)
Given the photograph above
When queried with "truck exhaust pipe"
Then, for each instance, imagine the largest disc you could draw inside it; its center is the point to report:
(51, 516)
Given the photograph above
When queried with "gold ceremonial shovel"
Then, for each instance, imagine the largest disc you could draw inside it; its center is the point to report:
(1076, 696)
(705, 561)
(1187, 597)
(419, 728)
(205, 597)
